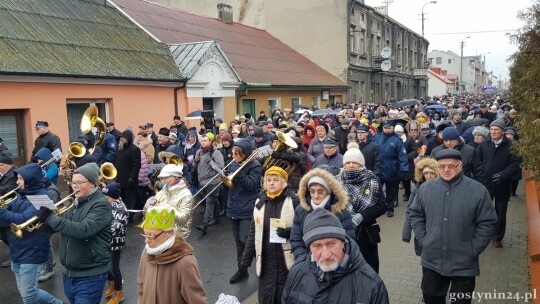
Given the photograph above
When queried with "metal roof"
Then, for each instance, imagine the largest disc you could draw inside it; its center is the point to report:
(256, 56)
(78, 38)
(190, 56)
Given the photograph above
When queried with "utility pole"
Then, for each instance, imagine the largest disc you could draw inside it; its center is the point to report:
(461, 60)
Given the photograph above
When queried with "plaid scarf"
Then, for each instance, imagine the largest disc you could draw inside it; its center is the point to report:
(362, 186)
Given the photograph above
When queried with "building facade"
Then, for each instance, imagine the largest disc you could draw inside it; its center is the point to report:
(463, 68)
(345, 38)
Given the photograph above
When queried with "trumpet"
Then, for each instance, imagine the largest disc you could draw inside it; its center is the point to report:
(9, 197)
(33, 223)
(45, 164)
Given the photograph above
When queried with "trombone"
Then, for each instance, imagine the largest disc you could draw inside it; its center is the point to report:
(9, 197)
(33, 223)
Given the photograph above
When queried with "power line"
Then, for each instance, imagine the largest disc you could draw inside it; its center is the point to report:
(474, 32)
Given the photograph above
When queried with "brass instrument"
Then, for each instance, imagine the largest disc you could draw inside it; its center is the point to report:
(50, 161)
(9, 197)
(107, 171)
(228, 180)
(167, 158)
(76, 149)
(90, 120)
(284, 142)
(33, 223)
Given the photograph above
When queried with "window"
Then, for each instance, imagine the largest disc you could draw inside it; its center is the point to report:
(273, 102)
(248, 106)
(363, 17)
(438, 60)
(449, 61)
(316, 100)
(352, 40)
(75, 110)
(362, 43)
(295, 101)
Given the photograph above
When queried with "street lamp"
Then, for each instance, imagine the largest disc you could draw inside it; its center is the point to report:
(423, 15)
(461, 63)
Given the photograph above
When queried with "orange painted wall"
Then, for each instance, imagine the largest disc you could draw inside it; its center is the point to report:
(128, 105)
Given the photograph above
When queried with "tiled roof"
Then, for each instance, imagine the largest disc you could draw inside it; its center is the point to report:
(80, 39)
(257, 56)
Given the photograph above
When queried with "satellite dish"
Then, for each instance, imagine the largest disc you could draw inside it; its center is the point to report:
(386, 65)
(386, 52)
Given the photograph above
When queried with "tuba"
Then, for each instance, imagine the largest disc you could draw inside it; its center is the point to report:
(107, 171)
(167, 158)
(76, 149)
(284, 142)
(90, 120)
(33, 223)
(9, 197)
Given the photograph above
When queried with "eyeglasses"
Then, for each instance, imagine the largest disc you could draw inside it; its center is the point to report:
(448, 166)
(319, 191)
(78, 183)
(150, 237)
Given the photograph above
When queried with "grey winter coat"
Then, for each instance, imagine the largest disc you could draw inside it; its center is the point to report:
(207, 165)
(453, 221)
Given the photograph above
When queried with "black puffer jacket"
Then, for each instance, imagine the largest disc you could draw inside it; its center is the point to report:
(8, 181)
(357, 282)
(48, 140)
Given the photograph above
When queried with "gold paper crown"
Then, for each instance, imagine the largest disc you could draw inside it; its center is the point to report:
(159, 218)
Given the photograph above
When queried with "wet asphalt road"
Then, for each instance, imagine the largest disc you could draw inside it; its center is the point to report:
(215, 252)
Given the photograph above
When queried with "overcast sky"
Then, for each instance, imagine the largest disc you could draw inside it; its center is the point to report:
(449, 21)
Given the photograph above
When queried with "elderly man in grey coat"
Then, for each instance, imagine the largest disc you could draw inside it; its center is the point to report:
(454, 220)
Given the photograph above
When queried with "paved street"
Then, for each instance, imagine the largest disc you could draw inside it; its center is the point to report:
(503, 270)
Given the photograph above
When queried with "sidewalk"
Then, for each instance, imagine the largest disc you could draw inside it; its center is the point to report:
(501, 270)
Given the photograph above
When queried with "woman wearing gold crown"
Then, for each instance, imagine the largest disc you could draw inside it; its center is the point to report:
(176, 194)
(168, 269)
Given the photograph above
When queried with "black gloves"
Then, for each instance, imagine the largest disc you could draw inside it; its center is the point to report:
(276, 155)
(496, 178)
(284, 232)
(43, 214)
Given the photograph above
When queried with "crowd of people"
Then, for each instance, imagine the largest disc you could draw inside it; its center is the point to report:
(307, 213)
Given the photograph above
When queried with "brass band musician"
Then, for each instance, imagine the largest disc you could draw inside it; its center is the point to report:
(176, 194)
(30, 252)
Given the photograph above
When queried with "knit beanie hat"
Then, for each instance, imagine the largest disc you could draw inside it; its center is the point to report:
(354, 155)
(321, 181)
(6, 157)
(322, 224)
(227, 137)
(112, 190)
(482, 131)
(450, 134)
(399, 128)
(499, 123)
(90, 171)
(275, 170)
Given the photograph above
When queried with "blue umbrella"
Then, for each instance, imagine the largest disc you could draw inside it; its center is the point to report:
(435, 108)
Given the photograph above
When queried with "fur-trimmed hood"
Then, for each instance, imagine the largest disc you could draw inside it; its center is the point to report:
(341, 197)
(423, 163)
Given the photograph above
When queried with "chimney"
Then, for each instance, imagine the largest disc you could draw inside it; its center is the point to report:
(225, 13)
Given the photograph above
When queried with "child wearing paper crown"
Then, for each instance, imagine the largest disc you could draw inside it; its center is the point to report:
(168, 269)
(118, 240)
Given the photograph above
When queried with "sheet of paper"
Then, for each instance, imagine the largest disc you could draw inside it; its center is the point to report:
(156, 166)
(276, 223)
(41, 200)
(57, 154)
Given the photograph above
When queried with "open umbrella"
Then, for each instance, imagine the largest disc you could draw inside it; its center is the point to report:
(194, 115)
(323, 112)
(435, 108)
(302, 111)
(431, 102)
(407, 103)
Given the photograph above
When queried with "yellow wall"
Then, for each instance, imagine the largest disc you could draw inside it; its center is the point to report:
(262, 96)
